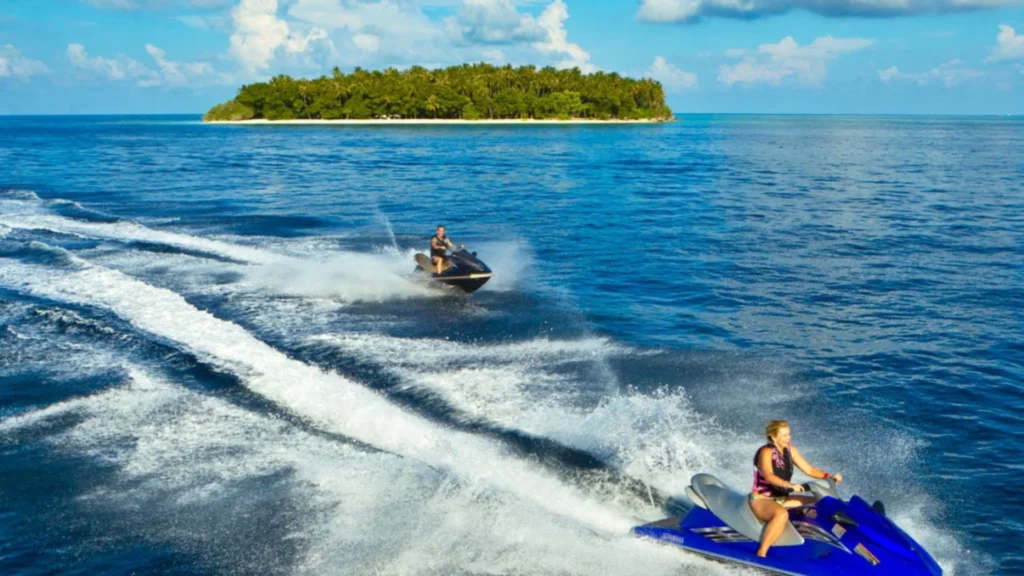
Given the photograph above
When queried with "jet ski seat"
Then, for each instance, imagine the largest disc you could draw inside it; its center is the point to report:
(423, 261)
(734, 509)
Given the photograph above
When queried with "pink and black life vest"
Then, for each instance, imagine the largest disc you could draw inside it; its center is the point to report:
(782, 466)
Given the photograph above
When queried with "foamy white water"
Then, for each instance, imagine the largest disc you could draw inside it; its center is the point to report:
(365, 511)
(326, 399)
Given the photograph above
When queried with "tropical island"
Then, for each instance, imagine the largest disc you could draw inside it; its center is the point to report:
(470, 92)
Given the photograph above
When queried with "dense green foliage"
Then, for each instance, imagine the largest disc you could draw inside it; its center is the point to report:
(232, 110)
(469, 91)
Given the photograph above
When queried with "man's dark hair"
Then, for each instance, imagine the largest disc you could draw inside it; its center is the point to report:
(440, 225)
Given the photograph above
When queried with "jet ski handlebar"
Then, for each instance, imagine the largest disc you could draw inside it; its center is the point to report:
(822, 488)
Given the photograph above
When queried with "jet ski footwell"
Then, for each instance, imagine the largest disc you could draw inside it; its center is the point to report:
(830, 537)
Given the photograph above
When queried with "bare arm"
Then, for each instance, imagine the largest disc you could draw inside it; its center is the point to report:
(764, 464)
(806, 467)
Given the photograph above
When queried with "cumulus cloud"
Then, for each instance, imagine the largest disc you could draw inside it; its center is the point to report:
(119, 68)
(694, 10)
(552, 20)
(1009, 45)
(367, 42)
(671, 77)
(494, 30)
(774, 63)
(403, 32)
(493, 22)
(494, 55)
(260, 34)
(14, 65)
(949, 73)
(167, 72)
(385, 18)
(173, 73)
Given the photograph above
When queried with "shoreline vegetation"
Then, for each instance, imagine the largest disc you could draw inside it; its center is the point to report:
(430, 121)
(469, 93)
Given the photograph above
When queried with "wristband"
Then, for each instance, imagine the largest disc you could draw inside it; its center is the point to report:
(827, 476)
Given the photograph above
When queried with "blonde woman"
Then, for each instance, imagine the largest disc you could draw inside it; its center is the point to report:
(773, 492)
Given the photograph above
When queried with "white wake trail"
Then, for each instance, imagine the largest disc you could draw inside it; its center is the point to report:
(130, 231)
(184, 457)
(350, 276)
(656, 437)
(330, 401)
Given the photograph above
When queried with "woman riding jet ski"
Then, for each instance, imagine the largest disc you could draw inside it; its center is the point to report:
(786, 528)
(460, 269)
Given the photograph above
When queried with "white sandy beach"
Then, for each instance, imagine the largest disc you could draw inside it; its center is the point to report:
(422, 121)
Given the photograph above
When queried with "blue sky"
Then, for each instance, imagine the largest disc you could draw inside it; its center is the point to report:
(792, 56)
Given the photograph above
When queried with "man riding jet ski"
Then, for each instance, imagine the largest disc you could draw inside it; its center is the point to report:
(791, 529)
(460, 269)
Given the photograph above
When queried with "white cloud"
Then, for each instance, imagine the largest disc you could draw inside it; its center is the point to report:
(367, 42)
(1009, 45)
(405, 35)
(950, 73)
(671, 77)
(14, 65)
(399, 20)
(120, 68)
(774, 63)
(173, 73)
(552, 20)
(167, 72)
(333, 15)
(494, 55)
(259, 34)
(695, 10)
(493, 22)
(889, 73)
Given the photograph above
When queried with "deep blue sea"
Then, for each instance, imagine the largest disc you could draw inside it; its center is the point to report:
(214, 360)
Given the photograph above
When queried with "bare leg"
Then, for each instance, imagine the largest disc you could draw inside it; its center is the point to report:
(437, 264)
(774, 517)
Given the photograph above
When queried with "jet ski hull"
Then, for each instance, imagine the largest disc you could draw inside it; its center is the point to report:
(465, 272)
(861, 542)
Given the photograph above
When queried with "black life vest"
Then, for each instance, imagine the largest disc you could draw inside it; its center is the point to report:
(782, 466)
(443, 250)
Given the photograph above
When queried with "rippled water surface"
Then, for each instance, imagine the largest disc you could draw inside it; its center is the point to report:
(214, 360)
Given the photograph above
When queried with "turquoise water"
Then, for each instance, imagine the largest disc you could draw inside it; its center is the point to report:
(214, 362)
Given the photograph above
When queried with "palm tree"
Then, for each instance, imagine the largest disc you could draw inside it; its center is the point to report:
(432, 105)
(304, 94)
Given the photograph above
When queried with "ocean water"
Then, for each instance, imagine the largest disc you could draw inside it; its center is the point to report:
(212, 360)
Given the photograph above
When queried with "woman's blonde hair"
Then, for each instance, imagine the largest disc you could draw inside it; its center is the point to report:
(773, 427)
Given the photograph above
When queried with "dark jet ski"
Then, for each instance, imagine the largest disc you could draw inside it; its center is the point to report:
(830, 537)
(462, 270)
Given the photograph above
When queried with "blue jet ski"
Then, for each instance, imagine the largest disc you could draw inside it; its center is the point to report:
(831, 537)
